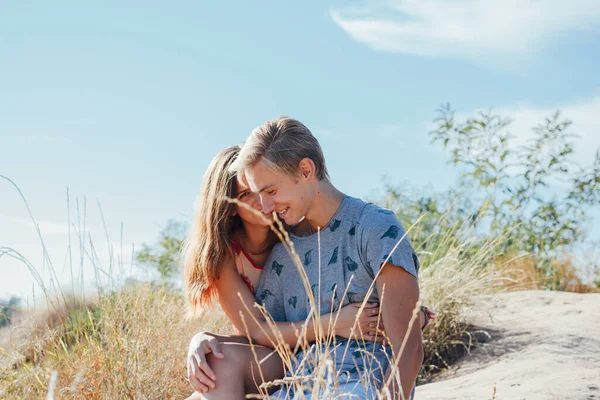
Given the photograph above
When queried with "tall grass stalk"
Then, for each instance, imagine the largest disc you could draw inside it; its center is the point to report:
(130, 341)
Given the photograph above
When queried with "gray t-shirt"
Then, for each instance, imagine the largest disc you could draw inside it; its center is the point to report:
(355, 243)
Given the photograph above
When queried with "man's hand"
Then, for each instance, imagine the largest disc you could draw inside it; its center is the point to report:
(200, 375)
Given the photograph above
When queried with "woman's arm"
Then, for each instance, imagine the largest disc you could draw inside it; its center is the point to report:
(237, 302)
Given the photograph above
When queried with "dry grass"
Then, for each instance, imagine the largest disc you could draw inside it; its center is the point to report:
(451, 285)
(523, 273)
(132, 342)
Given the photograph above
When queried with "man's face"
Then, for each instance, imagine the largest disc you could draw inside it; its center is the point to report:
(289, 197)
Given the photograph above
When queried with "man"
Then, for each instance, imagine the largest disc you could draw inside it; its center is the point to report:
(360, 244)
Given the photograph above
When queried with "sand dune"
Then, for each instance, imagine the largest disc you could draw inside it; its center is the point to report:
(544, 345)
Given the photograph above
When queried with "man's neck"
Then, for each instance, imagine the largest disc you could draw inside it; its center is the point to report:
(325, 204)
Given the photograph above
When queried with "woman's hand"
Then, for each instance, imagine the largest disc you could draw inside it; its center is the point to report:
(366, 328)
(200, 375)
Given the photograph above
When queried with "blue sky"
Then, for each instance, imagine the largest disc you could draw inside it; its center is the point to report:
(126, 103)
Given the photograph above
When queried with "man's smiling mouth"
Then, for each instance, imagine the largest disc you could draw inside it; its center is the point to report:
(283, 212)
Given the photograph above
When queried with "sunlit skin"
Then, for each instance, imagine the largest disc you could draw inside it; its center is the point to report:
(246, 196)
(253, 223)
(293, 197)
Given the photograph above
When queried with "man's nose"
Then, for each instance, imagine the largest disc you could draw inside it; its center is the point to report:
(267, 205)
(257, 203)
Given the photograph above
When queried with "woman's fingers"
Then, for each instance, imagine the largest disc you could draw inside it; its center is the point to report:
(368, 309)
(369, 312)
(375, 323)
(371, 337)
(204, 373)
(364, 326)
(215, 347)
(375, 317)
(369, 305)
(370, 328)
(193, 379)
(369, 322)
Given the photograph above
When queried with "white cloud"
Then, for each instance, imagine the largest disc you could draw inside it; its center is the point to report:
(465, 28)
(584, 114)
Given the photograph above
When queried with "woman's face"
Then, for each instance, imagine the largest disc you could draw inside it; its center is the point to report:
(246, 196)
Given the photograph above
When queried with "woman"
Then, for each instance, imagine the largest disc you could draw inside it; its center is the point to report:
(224, 254)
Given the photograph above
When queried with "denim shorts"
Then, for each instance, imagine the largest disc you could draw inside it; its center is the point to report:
(350, 390)
(346, 391)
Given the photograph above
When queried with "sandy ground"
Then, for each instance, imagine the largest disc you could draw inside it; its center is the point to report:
(544, 345)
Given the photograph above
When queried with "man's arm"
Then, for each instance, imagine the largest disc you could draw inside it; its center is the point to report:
(399, 292)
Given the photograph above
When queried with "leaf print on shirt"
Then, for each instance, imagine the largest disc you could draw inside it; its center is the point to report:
(352, 231)
(391, 233)
(353, 370)
(293, 301)
(356, 370)
(277, 268)
(334, 291)
(334, 256)
(388, 260)
(307, 258)
(387, 212)
(265, 295)
(350, 264)
(314, 288)
(357, 354)
(335, 224)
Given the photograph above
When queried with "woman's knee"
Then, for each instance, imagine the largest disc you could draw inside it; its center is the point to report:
(239, 364)
(234, 358)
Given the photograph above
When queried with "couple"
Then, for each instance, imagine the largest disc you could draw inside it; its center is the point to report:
(352, 252)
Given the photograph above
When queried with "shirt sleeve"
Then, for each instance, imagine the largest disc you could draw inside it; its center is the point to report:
(383, 238)
(269, 291)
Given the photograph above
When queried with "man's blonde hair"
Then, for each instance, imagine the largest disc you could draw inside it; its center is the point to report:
(282, 142)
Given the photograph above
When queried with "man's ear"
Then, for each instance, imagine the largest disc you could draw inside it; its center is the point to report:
(306, 170)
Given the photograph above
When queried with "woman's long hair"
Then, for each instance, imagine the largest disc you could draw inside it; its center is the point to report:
(209, 242)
